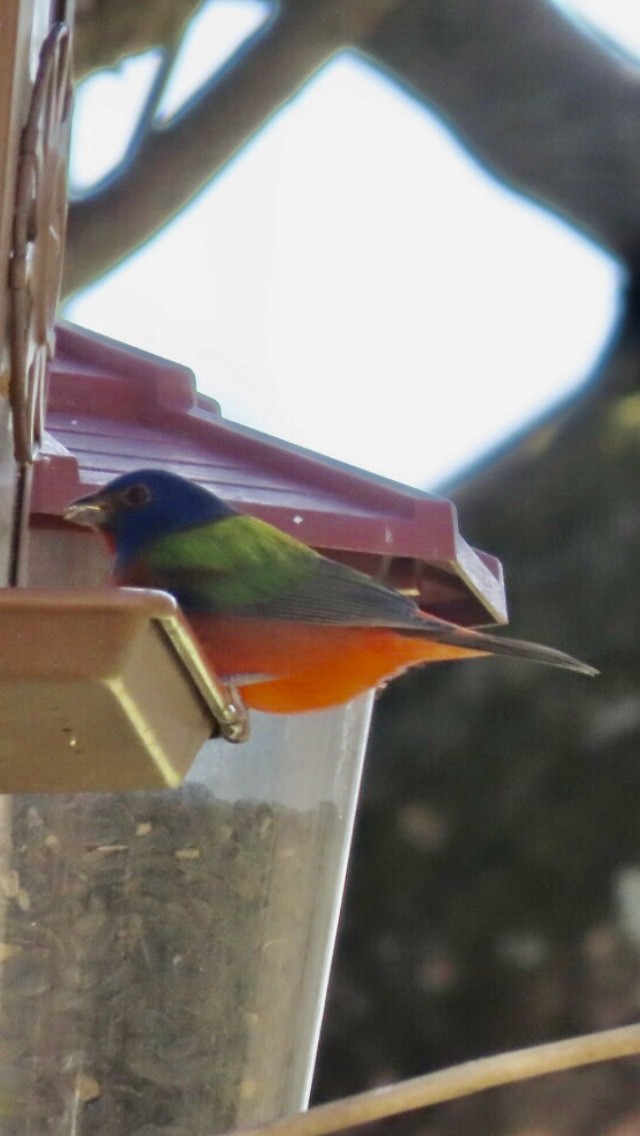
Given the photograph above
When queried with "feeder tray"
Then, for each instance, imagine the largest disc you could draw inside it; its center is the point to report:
(103, 690)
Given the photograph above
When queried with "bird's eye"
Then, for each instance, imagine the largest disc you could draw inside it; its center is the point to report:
(136, 495)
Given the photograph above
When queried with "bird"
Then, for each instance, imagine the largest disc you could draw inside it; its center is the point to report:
(292, 629)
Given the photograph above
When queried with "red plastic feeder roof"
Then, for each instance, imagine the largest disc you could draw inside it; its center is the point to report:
(112, 408)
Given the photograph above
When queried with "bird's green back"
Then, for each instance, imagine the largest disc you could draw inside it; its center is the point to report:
(243, 566)
(228, 564)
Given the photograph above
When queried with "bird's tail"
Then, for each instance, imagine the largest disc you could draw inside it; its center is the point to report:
(464, 637)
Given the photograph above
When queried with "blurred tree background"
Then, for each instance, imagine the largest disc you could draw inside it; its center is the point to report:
(494, 893)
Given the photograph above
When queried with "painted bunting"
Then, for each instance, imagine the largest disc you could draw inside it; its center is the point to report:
(292, 629)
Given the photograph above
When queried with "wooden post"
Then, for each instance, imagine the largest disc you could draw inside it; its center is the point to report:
(34, 125)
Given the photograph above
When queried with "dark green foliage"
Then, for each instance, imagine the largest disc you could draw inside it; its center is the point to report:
(500, 819)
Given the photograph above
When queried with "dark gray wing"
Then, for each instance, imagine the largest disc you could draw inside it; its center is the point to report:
(334, 593)
(338, 595)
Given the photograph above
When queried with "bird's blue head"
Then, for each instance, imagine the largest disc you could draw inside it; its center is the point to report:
(135, 509)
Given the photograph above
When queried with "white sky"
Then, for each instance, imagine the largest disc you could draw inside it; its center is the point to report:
(352, 282)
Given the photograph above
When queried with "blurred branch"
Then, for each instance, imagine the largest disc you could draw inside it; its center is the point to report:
(459, 1081)
(107, 31)
(174, 162)
(549, 107)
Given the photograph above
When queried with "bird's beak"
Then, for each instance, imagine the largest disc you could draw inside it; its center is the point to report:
(92, 511)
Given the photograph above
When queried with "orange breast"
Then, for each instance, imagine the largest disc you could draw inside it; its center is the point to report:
(310, 666)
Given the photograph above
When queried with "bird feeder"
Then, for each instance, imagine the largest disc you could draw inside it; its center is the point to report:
(169, 923)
